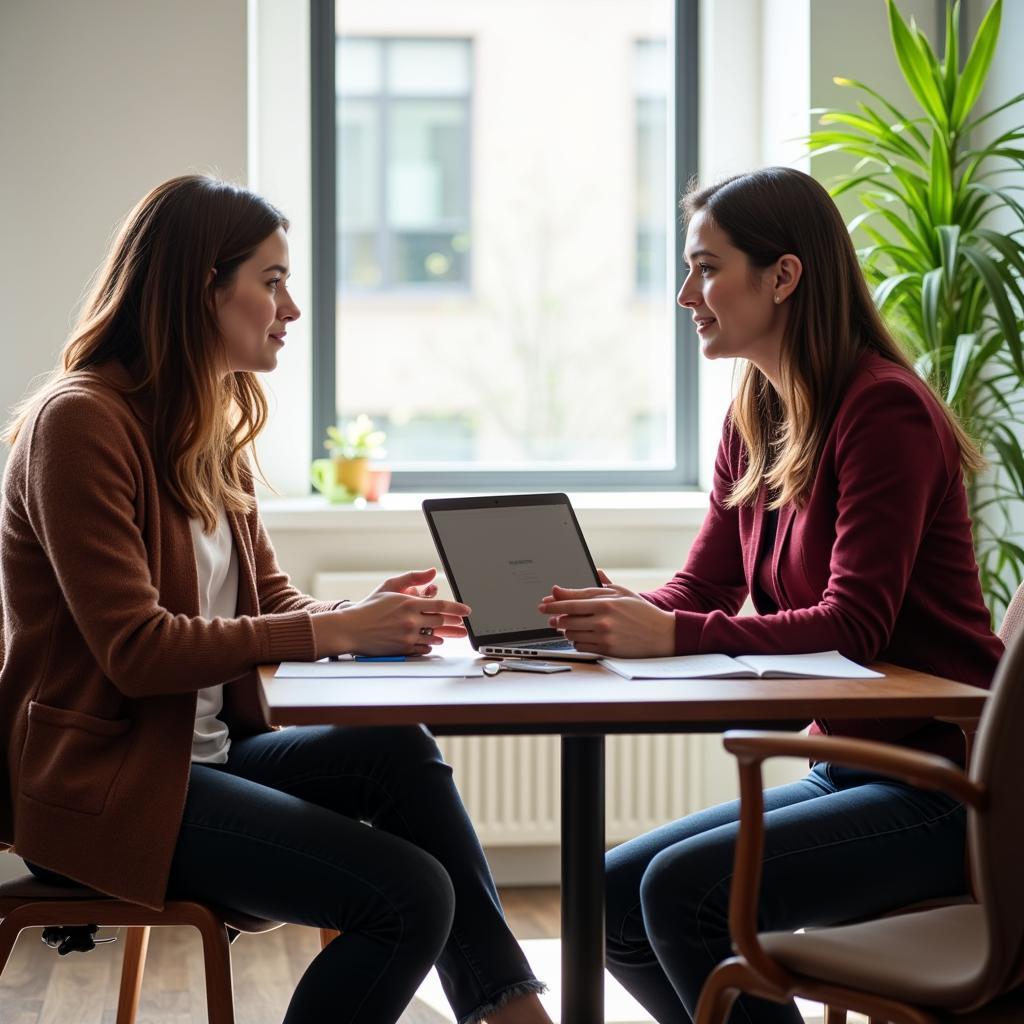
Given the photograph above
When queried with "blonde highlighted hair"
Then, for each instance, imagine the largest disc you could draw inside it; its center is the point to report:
(152, 309)
(832, 321)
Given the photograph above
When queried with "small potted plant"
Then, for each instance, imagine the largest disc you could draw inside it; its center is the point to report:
(351, 447)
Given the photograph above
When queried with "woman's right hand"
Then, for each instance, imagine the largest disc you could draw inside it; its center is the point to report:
(388, 623)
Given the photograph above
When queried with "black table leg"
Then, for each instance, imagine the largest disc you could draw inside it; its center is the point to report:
(582, 879)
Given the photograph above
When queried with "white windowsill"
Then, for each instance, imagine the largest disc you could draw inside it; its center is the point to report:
(400, 511)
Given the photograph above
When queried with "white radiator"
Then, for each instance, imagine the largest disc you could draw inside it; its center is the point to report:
(510, 784)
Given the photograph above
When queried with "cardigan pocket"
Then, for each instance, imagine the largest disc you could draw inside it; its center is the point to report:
(70, 758)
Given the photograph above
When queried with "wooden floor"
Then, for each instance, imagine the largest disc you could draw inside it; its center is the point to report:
(38, 987)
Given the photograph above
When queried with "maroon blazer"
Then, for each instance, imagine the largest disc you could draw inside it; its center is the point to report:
(878, 564)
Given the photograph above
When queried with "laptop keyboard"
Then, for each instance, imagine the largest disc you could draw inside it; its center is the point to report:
(536, 645)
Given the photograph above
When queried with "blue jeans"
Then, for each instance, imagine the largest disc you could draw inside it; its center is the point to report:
(362, 831)
(839, 844)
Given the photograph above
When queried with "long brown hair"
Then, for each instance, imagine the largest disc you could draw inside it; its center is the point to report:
(152, 309)
(832, 321)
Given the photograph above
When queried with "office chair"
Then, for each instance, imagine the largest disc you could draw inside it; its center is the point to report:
(1013, 619)
(953, 964)
(27, 902)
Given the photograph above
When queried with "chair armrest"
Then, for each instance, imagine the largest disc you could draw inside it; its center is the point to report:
(751, 749)
(927, 771)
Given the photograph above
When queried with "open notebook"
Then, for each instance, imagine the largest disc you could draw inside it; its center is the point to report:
(825, 665)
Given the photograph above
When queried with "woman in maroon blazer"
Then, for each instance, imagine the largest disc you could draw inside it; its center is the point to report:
(839, 506)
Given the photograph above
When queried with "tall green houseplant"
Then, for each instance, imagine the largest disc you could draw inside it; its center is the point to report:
(943, 220)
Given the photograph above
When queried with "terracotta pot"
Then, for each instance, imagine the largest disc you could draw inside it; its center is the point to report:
(380, 481)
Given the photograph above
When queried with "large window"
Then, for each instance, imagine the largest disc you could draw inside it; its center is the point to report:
(497, 239)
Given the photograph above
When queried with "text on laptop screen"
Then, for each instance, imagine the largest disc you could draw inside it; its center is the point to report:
(507, 559)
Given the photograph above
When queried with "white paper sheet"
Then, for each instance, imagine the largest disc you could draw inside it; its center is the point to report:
(427, 667)
(690, 666)
(822, 665)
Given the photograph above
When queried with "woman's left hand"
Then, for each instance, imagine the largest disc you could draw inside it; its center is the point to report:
(417, 583)
(611, 620)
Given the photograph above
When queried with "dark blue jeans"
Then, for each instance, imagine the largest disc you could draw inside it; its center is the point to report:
(839, 844)
(283, 831)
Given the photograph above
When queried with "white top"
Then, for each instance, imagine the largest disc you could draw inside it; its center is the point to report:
(217, 569)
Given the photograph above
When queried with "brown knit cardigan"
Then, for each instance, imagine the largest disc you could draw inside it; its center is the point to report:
(103, 647)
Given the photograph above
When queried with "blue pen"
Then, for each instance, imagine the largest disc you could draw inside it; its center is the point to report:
(366, 657)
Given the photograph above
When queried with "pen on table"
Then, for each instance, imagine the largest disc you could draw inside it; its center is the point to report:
(390, 657)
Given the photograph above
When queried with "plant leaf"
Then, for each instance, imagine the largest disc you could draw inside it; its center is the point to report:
(977, 65)
(931, 293)
(962, 352)
(951, 61)
(992, 113)
(889, 287)
(949, 236)
(915, 68)
(996, 287)
(1009, 247)
(908, 122)
(940, 193)
(1002, 194)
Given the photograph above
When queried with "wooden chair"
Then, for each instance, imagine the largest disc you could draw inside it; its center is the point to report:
(28, 903)
(1013, 619)
(956, 963)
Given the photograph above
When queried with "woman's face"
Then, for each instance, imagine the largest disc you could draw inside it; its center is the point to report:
(738, 309)
(254, 311)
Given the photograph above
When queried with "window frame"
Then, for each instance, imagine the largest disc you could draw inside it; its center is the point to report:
(325, 286)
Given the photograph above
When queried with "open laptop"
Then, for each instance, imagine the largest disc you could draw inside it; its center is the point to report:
(502, 554)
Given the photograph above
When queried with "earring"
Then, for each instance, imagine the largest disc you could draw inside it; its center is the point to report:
(778, 299)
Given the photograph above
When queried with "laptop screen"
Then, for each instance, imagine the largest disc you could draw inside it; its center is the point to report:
(503, 560)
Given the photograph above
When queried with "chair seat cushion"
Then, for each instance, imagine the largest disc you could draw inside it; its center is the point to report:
(931, 958)
(28, 889)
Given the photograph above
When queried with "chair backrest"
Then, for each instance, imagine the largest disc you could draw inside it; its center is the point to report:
(996, 837)
(1013, 618)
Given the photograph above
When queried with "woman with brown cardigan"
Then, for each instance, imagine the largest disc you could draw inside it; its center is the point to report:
(140, 591)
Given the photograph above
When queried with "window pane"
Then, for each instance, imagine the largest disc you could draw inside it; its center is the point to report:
(359, 164)
(523, 317)
(651, 185)
(360, 70)
(360, 263)
(427, 173)
(428, 257)
(428, 68)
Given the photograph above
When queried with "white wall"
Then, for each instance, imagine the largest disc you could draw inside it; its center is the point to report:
(102, 100)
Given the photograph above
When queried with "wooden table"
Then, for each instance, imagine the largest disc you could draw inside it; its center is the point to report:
(583, 707)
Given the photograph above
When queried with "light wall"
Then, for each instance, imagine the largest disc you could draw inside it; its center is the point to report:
(102, 100)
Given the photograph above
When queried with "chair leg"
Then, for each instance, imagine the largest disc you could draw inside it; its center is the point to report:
(327, 936)
(133, 963)
(9, 932)
(720, 991)
(220, 1006)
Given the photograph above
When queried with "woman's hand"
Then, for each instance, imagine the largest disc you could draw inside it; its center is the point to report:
(389, 623)
(611, 620)
(418, 583)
